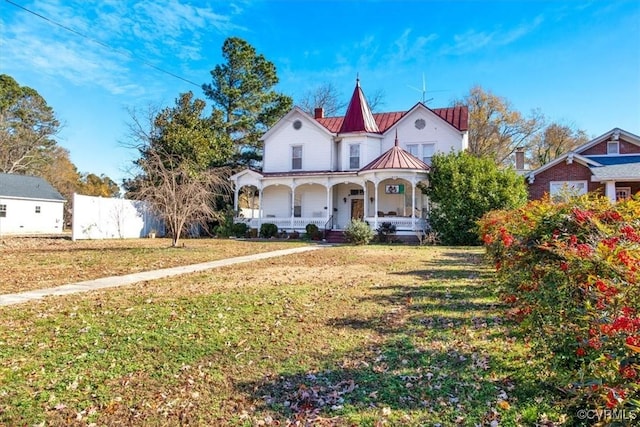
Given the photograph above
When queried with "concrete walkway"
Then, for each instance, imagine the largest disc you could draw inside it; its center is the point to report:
(115, 281)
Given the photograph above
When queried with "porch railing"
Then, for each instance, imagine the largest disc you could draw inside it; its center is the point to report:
(401, 223)
(286, 223)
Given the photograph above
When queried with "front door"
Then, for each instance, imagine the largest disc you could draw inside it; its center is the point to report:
(357, 208)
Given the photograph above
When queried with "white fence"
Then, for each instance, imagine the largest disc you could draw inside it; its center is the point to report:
(106, 218)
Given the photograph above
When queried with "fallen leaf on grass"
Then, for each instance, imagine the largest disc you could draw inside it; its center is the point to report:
(504, 405)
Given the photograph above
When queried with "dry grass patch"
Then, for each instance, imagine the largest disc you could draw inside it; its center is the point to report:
(340, 336)
(39, 262)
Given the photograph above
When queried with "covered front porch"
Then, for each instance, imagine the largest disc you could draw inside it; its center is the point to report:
(332, 202)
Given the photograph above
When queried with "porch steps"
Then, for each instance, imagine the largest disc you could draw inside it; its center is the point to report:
(335, 236)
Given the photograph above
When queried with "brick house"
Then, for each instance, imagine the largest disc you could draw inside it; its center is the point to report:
(608, 164)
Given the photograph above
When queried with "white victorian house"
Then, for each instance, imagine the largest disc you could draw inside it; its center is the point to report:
(330, 170)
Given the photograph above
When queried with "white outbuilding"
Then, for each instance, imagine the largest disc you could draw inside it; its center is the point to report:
(29, 205)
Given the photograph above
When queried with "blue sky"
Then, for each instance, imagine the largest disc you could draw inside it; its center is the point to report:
(578, 62)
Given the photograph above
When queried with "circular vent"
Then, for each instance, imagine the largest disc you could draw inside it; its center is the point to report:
(420, 124)
(297, 124)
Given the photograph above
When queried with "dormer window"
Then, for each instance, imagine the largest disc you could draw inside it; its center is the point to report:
(613, 147)
(296, 157)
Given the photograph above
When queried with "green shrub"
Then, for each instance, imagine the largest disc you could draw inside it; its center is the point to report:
(313, 232)
(570, 273)
(385, 232)
(268, 230)
(239, 229)
(358, 232)
(462, 188)
(225, 228)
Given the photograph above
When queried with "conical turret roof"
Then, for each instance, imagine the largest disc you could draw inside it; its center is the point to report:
(358, 117)
(396, 158)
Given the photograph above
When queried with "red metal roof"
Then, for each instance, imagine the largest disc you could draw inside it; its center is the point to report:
(457, 117)
(358, 117)
(396, 158)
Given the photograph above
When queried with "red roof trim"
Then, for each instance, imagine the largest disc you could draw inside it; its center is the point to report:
(396, 158)
(457, 117)
(358, 117)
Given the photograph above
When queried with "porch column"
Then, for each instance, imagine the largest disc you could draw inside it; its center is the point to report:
(236, 192)
(293, 203)
(375, 218)
(328, 205)
(366, 200)
(259, 208)
(610, 190)
(413, 204)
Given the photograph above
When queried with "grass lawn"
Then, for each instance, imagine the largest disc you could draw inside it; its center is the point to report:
(28, 263)
(345, 335)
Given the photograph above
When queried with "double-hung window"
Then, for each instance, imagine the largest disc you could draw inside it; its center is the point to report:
(3, 211)
(427, 152)
(413, 150)
(296, 157)
(354, 156)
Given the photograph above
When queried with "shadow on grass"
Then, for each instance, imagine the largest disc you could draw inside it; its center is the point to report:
(423, 363)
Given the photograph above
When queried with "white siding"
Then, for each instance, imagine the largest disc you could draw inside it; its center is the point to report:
(22, 217)
(314, 200)
(436, 130)
(316, 147)
(369, 149)
(276, 202)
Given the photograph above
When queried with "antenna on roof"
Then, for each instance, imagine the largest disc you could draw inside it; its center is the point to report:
(424, 91)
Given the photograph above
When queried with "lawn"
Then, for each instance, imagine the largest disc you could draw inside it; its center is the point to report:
(28, 263)
(402, 335)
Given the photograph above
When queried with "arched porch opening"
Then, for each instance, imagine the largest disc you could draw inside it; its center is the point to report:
(248, 202)
(397, 200)
(349, 202)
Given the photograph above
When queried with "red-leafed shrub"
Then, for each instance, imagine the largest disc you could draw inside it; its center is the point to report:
(570, 272)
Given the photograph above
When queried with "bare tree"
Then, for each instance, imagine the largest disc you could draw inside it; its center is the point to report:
(179, 195)
(327, 97)
(496, 130)
(553, 141)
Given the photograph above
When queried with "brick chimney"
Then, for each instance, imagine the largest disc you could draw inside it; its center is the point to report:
(318, 113)
(519, 159)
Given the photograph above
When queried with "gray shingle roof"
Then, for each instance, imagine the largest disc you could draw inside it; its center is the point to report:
(616, 172)
(27, 187)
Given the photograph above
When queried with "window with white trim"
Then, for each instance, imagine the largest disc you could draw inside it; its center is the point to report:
(567, 188)
(413, 149)
(354, 156)
(3, 211)
(297, 206)
(296, 157)
(623, 193)
(613, 147)
(37, 209)
(427, 152)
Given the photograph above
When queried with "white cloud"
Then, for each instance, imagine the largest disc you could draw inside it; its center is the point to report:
(473, 40)
(105, 40)
(407, 49)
